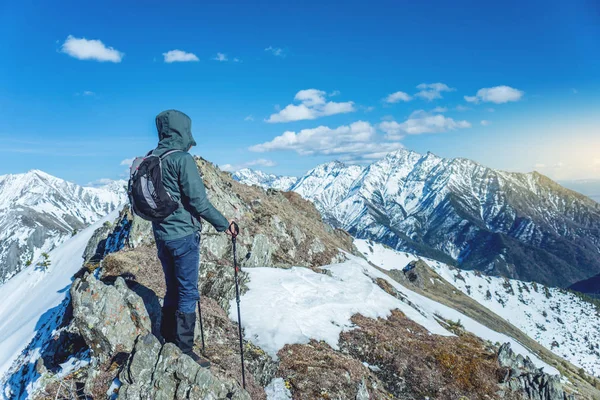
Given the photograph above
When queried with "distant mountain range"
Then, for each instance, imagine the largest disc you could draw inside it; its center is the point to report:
(588, 187)
(39, 211)
(523, 226)
(259, 178)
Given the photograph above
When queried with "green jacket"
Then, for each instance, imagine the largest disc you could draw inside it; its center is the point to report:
(182, 180)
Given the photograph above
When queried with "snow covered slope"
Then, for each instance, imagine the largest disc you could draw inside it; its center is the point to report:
(259, 178)
(524, 226)
(303, 305)
(33, 303)
(39, 211)
(558, 320)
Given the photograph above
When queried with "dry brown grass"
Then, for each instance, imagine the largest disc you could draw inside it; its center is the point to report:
(414, 362)
(446, 294)
(316, 371)
(140, 264)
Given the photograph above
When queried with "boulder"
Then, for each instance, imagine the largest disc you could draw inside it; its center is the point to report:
(523, 377)
(160, 372)
(108, 317)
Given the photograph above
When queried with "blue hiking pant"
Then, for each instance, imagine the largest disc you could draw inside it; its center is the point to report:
(180, 259)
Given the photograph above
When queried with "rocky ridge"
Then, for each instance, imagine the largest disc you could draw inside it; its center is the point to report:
(116, 311)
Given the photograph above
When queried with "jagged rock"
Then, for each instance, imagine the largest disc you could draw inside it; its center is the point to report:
(94, 251)
(163, 373)
(108, 238)
(524, 378)
(139, 230)
(262, 251)
(109, 318)
(363, 392)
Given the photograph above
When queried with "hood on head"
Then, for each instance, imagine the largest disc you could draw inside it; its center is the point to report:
(174, 131)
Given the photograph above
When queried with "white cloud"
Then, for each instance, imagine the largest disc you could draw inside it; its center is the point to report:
(127, 162)
(261, 162)
(276, 51)
(485, 122)
(235, 59)
(440, 110)
(313, 104)
(172, 56)
(249, 118)
(497, 95)
(539, 165)
(84, 49)
(220, 57)
(398, 96)
(460, 107)
(334, 93)
(432, 91)
(421, 122)
(88, 93)
(357, 140)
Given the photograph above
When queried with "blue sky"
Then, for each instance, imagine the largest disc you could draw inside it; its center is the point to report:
(514, 85)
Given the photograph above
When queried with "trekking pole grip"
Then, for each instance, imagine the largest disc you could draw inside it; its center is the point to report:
(234, 229)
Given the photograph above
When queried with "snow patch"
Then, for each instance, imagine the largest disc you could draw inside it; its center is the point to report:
(295, 305)
(276, 390)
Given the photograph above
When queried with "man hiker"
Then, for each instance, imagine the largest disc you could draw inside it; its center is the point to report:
(178, 235)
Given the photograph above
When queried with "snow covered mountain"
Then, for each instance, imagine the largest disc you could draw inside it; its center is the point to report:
(259, 178)
(39, 211)
(318, 319)
(524, 226)
(557, 319)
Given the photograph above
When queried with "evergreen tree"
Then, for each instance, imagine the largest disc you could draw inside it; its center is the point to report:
(45, 263)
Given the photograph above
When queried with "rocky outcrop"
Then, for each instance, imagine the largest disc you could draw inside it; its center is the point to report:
(114, 323)
(523, 377)
(163, 373)
(109, 318)
(94, 251)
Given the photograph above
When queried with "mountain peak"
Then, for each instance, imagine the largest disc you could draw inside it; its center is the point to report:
(401, 153)
(259, 178)
(409, 201)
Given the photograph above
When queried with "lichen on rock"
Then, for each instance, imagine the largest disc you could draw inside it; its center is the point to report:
(108, 317)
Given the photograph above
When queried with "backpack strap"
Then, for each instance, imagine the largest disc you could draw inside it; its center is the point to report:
(165, 154)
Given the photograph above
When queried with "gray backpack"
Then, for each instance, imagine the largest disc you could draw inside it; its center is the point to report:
(148, 197)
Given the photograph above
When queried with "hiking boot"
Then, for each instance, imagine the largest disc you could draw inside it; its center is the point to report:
(184, 331)
(167, 324)
(203, 362)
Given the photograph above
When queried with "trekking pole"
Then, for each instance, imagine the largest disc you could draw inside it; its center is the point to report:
(201, 325)
(234, 232)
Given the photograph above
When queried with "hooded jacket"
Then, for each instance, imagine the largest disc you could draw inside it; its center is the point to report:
(182, 180)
